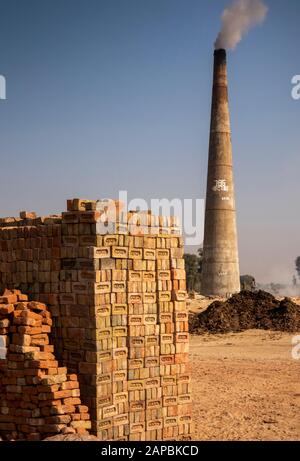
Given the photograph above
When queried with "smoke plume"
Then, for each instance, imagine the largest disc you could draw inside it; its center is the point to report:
(237, 19)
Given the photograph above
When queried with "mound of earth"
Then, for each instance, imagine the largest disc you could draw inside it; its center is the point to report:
(248, 310)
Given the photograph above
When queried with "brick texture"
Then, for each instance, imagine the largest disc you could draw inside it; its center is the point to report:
(115, 285)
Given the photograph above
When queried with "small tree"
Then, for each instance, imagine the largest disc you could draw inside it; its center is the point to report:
(192, 272)
(247, 282)
(200, 259)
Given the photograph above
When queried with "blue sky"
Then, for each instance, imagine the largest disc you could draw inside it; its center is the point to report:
(109, 95)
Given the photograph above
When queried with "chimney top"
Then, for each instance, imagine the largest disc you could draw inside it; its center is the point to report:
(220, 51)
(220, 55)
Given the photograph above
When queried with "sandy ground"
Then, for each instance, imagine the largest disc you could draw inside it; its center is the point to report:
(246, 386)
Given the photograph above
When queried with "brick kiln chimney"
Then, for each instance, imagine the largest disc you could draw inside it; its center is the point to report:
(220, 275)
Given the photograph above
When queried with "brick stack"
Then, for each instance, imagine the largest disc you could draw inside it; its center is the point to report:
(93, 292)
(115, 285)
(125, 324)
(37, 397)
(30, 260)
(158, 379)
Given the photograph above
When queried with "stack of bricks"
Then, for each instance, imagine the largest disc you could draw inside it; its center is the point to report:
(37, 397)
(114, 283)
(30, 260)
(125, 323)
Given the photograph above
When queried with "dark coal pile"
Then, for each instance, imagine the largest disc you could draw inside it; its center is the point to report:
(247, 310)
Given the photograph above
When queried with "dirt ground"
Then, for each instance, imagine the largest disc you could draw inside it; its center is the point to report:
(246, 386)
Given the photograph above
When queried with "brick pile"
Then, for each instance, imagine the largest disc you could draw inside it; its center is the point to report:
(115, 285)
(125, 321)
(38, 398)
(30, 261)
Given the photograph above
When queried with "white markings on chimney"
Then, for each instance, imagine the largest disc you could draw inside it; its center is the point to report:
(220, 185)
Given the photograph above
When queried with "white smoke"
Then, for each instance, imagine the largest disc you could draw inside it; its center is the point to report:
(237, 19)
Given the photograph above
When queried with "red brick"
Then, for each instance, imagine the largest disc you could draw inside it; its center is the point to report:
(22, 297)
(72, 401)
(52, 371)
(70, 385)
(47, 348)
(62, 394)
(29, 330)
(36, 306)
(6, 309)
(8, 299)
(62, 409)
(60, 419)
(81, 431)
(82, 408)
(62, 370)
(21, 306)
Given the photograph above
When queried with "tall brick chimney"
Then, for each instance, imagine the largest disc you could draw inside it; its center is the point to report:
(220, 273)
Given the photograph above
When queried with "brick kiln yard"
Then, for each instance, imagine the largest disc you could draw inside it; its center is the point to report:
(245, 386)
(114, 307)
